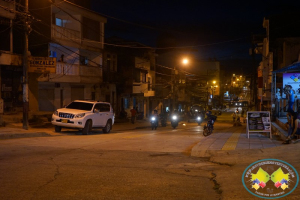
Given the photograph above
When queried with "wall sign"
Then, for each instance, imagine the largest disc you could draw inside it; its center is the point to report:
(42, 64)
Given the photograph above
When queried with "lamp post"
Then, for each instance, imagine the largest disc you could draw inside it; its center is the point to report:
(212, 87)
(185, 61)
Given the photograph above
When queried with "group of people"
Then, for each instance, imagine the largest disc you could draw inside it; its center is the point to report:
(293, 124)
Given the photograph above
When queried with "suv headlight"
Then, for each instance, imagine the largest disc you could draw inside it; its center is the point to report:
(79, 115)
(55, 113)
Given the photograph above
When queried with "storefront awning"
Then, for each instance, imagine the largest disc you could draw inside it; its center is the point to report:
(291, 68)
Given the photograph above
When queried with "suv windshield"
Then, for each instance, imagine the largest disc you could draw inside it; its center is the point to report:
(80, 106)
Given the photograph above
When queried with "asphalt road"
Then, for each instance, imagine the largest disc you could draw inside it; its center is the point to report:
(136, 164)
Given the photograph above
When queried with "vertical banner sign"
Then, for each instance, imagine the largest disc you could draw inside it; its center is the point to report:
(258, 121)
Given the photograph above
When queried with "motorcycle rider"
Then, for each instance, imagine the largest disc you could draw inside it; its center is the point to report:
(211, 118)
(155, 114)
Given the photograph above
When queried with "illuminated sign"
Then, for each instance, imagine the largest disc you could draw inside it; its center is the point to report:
(293, 80)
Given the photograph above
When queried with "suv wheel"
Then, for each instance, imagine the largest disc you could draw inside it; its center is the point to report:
(87, 127)
(57, 129)
(107, 127)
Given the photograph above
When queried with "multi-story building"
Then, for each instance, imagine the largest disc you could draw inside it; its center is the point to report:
(74, 36)
(279, 49)
(135, 80)
(10, 60)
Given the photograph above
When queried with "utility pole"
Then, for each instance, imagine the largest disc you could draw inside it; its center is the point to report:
(254, 74)
(25, 69)
(174, 90)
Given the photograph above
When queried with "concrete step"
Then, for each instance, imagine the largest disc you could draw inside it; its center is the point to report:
(277, 130)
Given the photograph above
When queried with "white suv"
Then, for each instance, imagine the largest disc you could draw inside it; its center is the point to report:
(84, 115)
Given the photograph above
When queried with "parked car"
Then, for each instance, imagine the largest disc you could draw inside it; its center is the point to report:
(84, 115)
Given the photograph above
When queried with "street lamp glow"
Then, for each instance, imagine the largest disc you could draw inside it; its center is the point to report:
(185, 61)
(214, 82)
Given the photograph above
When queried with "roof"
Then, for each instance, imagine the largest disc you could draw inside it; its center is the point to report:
(295, 67)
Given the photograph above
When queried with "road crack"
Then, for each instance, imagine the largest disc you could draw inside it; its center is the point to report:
(220, 163)
(217, 186)
(56, 174)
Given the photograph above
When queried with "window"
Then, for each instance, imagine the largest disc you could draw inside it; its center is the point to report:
(83, 60)
(103, 107)
(143, 77)
(59, 22)
(126, 103)
(80, 106)
(52, 54)
(91, 30)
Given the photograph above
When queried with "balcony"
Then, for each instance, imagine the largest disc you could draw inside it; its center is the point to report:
(139, 88)
(150, 93)
(7, 58)
(142, 88)
(66, 72)
(65, 34)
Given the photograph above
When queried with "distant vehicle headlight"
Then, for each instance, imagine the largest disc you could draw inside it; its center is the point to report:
(174, 117)
(79, 115)
(198, 118)
(153, 118)
(55, 113)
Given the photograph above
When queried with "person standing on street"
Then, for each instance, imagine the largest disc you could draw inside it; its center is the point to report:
(133, 115)
(233, 117)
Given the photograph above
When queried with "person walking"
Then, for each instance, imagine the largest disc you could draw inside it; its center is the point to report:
(233, 117)
(133, 115)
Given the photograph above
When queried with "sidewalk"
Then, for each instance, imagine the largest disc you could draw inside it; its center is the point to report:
(15, 129)
(221, 142)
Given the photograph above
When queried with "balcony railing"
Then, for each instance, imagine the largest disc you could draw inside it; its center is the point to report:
(64, 33)
(77, 70)
(142, 88)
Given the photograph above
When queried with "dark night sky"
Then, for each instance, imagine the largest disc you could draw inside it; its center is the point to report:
(220, 29)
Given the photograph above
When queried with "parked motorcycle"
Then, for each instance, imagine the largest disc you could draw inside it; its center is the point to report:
(154, 122)
(174, 121)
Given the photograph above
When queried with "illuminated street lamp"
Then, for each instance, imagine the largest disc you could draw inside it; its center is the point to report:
(184, 61)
